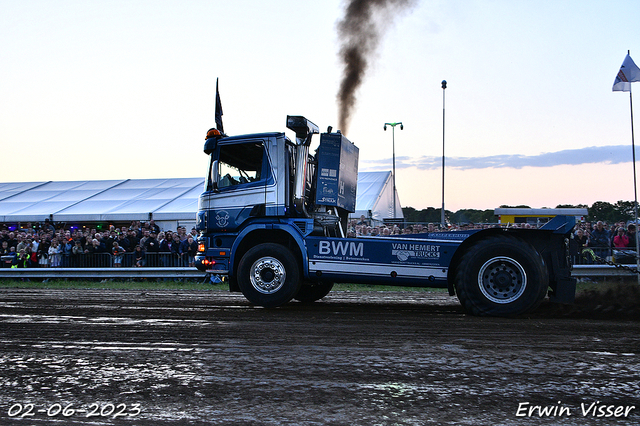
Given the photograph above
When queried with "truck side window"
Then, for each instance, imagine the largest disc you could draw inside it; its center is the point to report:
(240, 164)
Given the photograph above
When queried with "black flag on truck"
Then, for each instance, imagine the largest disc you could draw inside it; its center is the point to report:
(218, 110)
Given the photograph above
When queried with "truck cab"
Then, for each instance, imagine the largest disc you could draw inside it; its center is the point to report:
(243, 180)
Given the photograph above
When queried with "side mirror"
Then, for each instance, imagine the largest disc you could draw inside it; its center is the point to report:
(215, 175)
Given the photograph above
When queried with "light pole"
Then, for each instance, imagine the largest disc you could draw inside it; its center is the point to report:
(442, 223)
(393, 174)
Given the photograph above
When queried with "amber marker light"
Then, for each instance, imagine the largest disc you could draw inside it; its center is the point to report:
(212, 133)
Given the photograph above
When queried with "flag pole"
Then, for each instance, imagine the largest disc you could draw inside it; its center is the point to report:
(635, 187)
(629, 73)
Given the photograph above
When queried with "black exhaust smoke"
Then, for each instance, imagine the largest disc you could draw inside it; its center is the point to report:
(360, 32)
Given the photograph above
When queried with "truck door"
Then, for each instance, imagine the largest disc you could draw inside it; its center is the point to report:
(242, 184)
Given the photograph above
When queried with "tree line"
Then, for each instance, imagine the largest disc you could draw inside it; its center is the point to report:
(600, 210)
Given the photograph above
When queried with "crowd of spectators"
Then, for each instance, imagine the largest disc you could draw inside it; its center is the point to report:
(144, 244)
(603, 240)
(140, 244)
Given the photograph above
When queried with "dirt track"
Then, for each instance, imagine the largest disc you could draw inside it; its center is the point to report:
(355, 358)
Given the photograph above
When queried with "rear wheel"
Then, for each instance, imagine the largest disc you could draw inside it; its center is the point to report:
(501, 276)
(268, 275)
(310, 292)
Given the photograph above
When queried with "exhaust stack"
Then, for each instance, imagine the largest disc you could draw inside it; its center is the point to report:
(304, 130)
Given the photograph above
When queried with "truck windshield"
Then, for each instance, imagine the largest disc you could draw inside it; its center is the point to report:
(239, 164)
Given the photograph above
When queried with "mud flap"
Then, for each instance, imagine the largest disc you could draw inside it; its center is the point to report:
(565, 291)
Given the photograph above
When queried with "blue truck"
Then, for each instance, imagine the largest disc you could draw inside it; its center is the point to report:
(273, 216)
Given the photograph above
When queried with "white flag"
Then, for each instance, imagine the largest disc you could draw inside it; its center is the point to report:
(629, 72)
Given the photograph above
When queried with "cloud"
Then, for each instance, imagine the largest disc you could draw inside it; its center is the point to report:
(596, 154)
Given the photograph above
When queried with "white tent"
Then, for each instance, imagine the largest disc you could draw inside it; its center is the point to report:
(103, 200)
(374, 198)
(134, 199)
(171, 201)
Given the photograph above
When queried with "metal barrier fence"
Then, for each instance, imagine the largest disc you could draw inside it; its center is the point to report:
(192, 273)
(616, 255)
(171, 260)
(582, 259)
(106, 260)
(103, 273)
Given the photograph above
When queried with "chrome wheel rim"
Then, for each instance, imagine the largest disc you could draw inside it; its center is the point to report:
(502, 280)
(267, 275)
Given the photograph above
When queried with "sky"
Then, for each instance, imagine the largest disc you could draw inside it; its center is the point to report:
(106, 89)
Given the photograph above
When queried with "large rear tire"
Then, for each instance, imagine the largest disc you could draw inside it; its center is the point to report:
(268, 275)
(501, 276)
(310, 292)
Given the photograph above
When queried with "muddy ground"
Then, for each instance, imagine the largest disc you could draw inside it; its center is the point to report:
(109, 357)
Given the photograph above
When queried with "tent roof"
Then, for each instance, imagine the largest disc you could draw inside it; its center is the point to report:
(130, 199)
(375, 196)
(370, 186)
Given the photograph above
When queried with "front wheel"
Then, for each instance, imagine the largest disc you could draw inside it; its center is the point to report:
(501, 276)
(268, 275)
